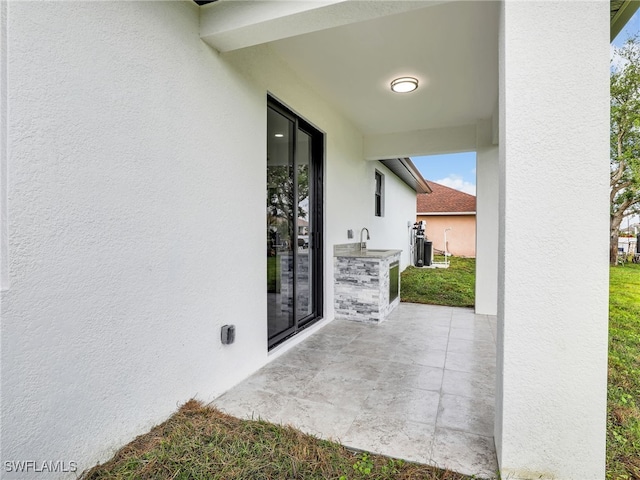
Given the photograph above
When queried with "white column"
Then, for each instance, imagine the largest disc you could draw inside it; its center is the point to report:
(552, 301)
(487, 187)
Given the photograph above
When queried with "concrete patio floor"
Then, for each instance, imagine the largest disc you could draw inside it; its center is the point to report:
(419, 386)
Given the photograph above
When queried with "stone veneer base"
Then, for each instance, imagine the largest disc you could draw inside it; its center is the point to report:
(362, 288)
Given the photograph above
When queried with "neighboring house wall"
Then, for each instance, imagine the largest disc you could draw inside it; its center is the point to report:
(448, 208)
(627, 244)
(136, 219)
(461, 239)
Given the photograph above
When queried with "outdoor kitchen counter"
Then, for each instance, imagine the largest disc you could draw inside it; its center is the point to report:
(366, 253)
(353, 250)
(366, 283)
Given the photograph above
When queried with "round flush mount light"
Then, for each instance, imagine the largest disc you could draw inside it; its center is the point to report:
(404, 84)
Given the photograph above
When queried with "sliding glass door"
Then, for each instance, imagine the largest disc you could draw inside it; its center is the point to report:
(294, 222)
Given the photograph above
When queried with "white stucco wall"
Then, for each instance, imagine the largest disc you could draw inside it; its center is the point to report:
(395, 226)
(136, 182)
(129, 243)
(486, 220)
(4, 240)
(552, 320)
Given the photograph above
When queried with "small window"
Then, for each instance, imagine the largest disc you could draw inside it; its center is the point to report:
(379, 199)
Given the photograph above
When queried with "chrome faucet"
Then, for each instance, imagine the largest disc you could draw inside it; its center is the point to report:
(368, 237)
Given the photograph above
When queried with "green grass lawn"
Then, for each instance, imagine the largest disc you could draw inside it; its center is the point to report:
(453, 286)
(273, 274)
(201, 443)
(623, 416)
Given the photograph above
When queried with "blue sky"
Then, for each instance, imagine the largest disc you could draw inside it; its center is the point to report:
(458, 170)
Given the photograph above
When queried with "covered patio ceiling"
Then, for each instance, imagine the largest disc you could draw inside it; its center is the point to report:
(350, 52)
(451, 48)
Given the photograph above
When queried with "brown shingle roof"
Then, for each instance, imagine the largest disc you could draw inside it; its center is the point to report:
(445, 199)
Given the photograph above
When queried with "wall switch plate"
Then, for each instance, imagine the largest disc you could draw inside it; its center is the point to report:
(349, 233)
(228, 334)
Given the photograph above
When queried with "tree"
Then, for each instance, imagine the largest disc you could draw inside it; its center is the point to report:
(281, 204)
(624, 139)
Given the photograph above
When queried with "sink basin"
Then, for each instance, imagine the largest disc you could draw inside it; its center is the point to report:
(353, 250)
(374, 252)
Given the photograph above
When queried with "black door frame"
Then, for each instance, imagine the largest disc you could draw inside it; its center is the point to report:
(316, 237)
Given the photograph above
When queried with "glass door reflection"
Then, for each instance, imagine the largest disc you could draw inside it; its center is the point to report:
(294, 219)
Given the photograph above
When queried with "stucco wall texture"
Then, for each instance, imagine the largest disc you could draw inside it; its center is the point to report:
(552, 310)
(136, 180)
(461, 238)
(487, 223)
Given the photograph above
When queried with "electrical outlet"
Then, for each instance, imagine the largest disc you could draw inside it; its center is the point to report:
(228, 334)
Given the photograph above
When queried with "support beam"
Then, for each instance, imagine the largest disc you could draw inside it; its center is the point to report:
(229, 25)
(487, 186)
(551, 386)
(420, 142)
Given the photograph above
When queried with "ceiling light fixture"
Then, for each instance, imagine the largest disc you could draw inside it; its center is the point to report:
(404, 84)
(279, 135)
